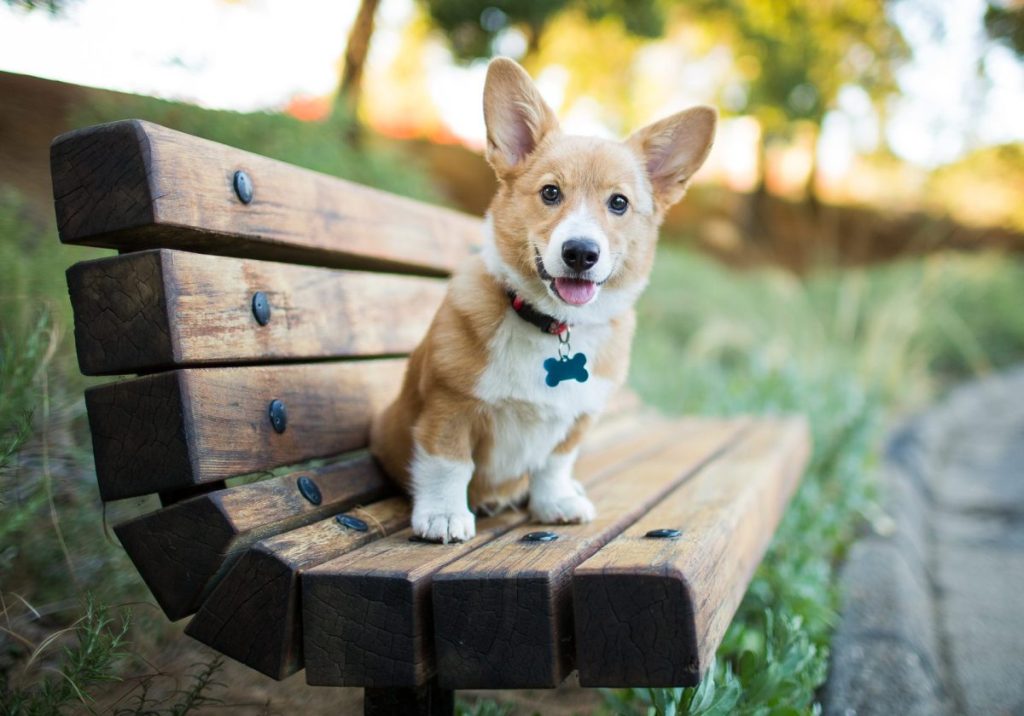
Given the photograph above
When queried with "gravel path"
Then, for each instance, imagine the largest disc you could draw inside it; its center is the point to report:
(934, 614)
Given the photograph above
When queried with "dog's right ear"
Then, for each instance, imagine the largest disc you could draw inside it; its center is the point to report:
(516, 116)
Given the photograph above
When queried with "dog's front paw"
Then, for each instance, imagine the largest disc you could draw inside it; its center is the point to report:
(563, 509)
(444, 527)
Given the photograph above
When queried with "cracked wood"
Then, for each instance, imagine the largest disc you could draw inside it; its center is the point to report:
(503, 615)
(180, 550)
(197, 425)
(254, 614)
(368, 613)
(652, 612)
(133, 185)
(160, 309)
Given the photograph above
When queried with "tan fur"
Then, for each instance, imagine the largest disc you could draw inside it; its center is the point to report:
(438, 407)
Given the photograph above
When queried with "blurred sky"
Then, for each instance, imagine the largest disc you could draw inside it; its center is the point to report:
(260, 54)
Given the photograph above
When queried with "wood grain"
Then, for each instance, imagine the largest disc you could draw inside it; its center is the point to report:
(368, 613)
(182, 549)
(652, 612)
(254, 615)
(184, 427)
(134, 185)
(503, 615)
(161, 309)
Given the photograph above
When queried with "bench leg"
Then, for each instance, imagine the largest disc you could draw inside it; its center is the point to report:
(427, 700)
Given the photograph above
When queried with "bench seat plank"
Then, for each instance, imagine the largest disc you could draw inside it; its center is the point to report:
(651, 612)
(160, 309)
(503, 615)
(179, 550)
(254, 614)
(197, 425)
(368, 613)
(134, 185)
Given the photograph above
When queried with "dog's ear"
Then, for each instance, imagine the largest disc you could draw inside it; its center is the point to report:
(516, 115)
(673, 149)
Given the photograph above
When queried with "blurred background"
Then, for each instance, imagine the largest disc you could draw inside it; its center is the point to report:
(850, 251)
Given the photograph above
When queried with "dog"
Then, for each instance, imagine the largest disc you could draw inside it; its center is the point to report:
(534, 332)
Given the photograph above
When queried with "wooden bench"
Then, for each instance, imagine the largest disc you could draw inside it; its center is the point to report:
(256, 303)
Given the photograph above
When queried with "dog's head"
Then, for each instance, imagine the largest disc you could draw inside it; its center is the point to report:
(575, 221)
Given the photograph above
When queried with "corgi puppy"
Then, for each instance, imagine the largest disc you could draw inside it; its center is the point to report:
(534, 333)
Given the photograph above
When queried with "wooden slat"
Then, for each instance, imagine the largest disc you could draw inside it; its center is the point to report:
(179, 550)
(133, 185)
(254, 615)
(652, 612)
(503, 616)
(196, 425)
(368, 613)
(160, 309)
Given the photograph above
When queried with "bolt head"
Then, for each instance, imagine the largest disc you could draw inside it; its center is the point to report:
(543, 536)
(353, 523)
(243, 187)
(663, 533)
(309, 489)
(261, 308)
(278, 415)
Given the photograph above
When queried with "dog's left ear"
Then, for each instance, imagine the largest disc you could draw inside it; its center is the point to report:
(516, 116)
(673, 149)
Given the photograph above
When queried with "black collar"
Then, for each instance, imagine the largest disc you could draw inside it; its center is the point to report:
(528, 313)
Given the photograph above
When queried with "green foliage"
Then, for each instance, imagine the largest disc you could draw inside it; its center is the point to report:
(92, 660)
(1004, 21)
(482, 707)
(320, 146)
(796, 54)
(471, 26)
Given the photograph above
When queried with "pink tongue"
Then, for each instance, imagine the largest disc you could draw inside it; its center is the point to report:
(575, 291)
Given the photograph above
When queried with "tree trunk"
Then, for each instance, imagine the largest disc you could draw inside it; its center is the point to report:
(356, 49)
(753, 220)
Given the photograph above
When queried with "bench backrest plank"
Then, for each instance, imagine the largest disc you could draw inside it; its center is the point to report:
(134, 185)
(161, 309)
(198, 425)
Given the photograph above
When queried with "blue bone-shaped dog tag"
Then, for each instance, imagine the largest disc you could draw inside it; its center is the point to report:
(566, 368)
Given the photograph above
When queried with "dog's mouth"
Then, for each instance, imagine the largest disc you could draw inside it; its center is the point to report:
(574, 290)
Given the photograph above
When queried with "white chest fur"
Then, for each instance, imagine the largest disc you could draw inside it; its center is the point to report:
(531, 418)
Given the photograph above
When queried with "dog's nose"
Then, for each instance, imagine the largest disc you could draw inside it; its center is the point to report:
(580, 254)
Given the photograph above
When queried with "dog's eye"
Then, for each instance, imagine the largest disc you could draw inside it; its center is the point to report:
(618, 204)
(550, 194)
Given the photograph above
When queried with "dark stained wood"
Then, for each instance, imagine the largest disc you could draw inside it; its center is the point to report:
(159, 309)
(351, 602)
(254, 613)
(503, 615)
(180, 550)
(133, 185)
(185, 427)
(652, 612)
(427, 700)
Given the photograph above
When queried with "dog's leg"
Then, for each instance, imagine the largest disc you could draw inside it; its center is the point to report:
(440, 511)
(441, 470)
(555, 497)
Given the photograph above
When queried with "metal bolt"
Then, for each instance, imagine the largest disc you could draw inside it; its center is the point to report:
(278, 415)
(664, 533)
(309, 490)
(353, 523)
(540, 537)
(261, 308)
(243, 186)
